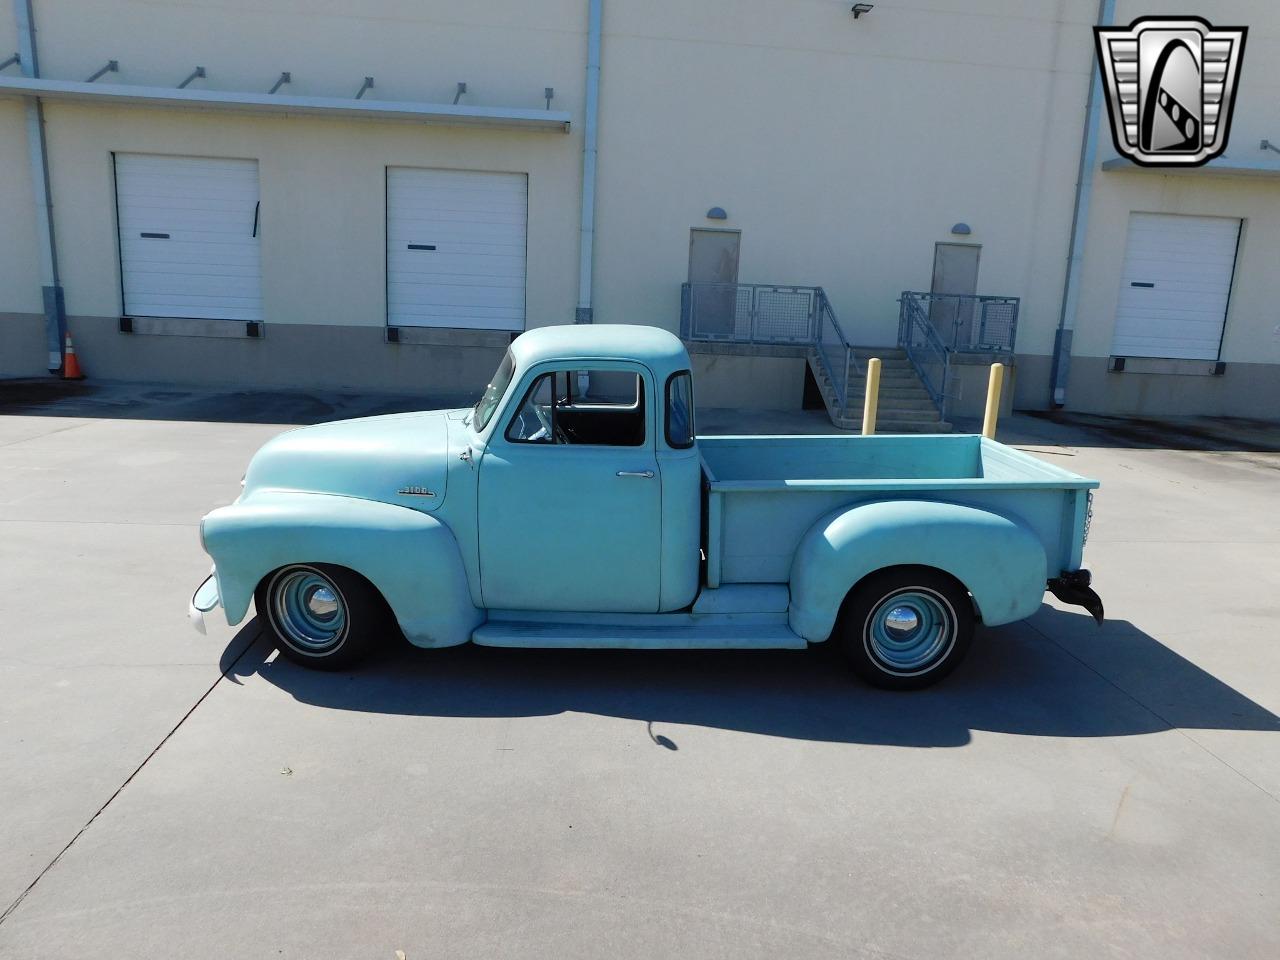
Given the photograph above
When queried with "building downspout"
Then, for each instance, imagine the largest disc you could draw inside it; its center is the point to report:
(586, 242)
(55, 313)
(1061, 367)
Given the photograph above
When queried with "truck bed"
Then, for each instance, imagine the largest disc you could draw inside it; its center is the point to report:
(765, 492)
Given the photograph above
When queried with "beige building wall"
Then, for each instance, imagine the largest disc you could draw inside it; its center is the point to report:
(506, 50)
(323, 189)
(323, 221)
(842, 150)
(1250, 334)
(23, 350)
(19, 262)
(322, 181)
(1250, 383)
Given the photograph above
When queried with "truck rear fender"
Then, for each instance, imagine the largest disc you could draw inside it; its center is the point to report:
(410, 557)
(999, 560)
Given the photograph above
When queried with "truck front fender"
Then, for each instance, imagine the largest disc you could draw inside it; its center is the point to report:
(999, 560)
(410, 557)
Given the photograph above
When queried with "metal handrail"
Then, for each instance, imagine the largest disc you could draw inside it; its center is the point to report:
(836, 359)
(924, 348)
(971, 323)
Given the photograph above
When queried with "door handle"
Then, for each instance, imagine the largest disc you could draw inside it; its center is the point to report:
(646, 474)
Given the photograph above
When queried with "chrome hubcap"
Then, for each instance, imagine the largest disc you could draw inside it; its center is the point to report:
(901, 622)
(909, 631)
(308, 610)
(322, 603)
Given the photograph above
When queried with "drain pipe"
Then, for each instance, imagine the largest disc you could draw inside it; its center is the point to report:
(586, 241)
(1061, 367)
(55, 313)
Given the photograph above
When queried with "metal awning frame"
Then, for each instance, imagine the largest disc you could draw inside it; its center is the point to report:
(1223, 166)
(513, 118)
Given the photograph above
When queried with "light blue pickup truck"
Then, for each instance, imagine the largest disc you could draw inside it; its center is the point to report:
(575, 506)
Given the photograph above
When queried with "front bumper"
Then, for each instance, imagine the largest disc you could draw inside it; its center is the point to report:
(203, 600)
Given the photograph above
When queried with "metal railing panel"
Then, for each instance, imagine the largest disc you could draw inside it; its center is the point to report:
(747, 313)
(835, 352)
(764, 313)
(925, 350)
(971, 323)
(783, 314)
(998, 325)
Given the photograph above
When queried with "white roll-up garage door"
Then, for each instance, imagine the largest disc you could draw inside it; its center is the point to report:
(1175, 286)
(456, 248)
(189, 237)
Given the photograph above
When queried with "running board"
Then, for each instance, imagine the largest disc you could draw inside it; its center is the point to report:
(681, 631)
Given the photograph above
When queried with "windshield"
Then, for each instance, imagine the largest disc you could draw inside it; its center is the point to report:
(493, 392)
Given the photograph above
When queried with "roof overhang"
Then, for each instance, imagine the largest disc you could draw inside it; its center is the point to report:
(1223, 166)
(435, 113)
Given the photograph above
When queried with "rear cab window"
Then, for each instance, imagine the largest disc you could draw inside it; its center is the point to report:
(679, 427)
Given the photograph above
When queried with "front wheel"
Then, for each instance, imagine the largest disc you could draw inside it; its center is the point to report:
(906, 627)
(321, 616)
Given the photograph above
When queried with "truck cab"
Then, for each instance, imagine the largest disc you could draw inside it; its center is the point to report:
(588, 475)
(575, 505)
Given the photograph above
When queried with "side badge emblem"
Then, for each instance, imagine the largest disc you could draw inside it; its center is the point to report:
(414, 491)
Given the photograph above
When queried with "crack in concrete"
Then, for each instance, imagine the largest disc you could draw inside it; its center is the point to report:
(129, 779)
(50, 433)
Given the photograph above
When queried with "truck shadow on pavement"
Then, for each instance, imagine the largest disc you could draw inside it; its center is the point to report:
(1055, 676)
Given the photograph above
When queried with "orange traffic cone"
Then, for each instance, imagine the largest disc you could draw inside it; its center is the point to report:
(70, 365)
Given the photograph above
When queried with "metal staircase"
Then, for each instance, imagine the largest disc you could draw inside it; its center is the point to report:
(905, 405)
(916, 381)
(803, 317)
(934, 328)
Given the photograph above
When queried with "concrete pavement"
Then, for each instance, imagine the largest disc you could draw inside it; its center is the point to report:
(1069, 792)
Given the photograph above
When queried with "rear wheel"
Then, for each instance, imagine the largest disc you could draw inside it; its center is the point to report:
(906, 627)
(321, 616)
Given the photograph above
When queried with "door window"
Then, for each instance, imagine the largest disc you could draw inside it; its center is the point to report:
(582, 407)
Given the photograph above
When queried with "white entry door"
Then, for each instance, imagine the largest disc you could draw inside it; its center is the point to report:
(1175, 286)
(189, 231)
(456, 248)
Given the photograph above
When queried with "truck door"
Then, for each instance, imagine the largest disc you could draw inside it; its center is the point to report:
(570, 494)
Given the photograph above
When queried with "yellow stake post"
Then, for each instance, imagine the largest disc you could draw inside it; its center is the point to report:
(872, 398)
(994, 386)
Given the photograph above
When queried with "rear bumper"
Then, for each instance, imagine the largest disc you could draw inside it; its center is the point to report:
(203, 600)
(1075, 588)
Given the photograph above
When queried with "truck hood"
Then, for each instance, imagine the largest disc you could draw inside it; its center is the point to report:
(401, 458)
